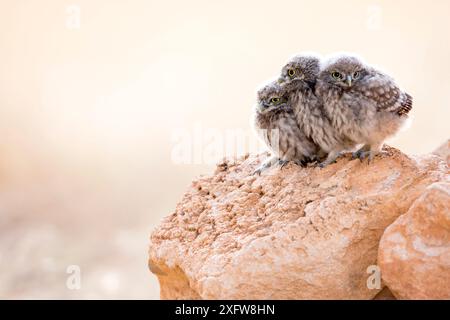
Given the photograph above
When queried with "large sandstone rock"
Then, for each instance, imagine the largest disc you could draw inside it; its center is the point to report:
(291, 233)
(414, 253)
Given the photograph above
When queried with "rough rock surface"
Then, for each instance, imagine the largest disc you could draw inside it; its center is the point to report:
(414, 252)
(291, 233)
(444, 151)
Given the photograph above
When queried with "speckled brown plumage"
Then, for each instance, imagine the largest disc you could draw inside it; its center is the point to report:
(275, 123)
(362, 103)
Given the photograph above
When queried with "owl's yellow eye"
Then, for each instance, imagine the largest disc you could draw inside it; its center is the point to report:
(337, 75)
(291, 72)
(275, 100)
(356, 74)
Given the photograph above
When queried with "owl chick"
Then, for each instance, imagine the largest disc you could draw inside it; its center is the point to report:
(275, 123)
(299, 77)
(362, 103)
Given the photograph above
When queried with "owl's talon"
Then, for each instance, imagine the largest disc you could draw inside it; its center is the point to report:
(356, 154)
(282, 163)
(301, 163)
(325, 163)
(261, 168)
(331, 158)
(266, 165)
(257, 172)
(360, 153)
(369, 154)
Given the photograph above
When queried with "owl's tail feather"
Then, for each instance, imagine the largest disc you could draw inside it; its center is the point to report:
(406, 106)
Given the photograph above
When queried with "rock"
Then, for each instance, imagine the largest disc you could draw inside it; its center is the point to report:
(444, 151)
(291, 233)
(414, 253)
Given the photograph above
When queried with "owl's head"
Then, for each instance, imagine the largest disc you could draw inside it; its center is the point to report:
(271, 96)
(344, 71)
(302, 68)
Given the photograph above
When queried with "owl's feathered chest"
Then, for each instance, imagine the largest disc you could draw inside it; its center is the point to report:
(352, 103)
(349, 111)
(271, 119)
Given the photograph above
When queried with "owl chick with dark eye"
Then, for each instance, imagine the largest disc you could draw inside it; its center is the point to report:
(363, 104)
(275, 123)
(299, 77)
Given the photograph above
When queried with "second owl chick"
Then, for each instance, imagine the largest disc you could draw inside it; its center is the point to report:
(275, 123)
(299, 77)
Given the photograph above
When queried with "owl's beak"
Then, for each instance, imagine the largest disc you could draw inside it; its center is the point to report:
(349, 81)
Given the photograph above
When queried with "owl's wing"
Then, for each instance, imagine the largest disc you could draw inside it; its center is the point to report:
(383, 90)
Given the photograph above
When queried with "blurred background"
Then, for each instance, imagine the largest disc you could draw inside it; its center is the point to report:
(109, 108)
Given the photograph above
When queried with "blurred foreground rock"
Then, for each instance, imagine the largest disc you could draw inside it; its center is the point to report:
(414, 253)
(291, 233)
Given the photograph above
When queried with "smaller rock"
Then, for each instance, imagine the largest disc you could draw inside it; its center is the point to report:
(414, 252)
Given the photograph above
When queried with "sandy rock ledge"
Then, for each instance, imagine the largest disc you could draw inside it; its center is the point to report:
(294, 233)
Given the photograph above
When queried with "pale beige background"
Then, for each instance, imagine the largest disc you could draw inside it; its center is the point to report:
(87, 114)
